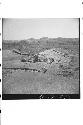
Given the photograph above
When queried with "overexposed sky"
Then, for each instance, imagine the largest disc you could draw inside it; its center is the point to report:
(18, 29)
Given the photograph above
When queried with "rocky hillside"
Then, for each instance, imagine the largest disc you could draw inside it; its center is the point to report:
(34, 46)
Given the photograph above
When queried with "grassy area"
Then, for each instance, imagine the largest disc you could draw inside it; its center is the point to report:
(40, 78)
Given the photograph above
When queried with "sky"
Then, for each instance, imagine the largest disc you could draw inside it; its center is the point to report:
(18, 29)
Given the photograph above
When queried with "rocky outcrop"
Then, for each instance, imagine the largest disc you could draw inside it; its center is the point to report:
(56, 55)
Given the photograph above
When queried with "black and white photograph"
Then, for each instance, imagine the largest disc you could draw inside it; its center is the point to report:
(40, 58)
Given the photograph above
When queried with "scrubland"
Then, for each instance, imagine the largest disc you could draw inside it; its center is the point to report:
(39, 78)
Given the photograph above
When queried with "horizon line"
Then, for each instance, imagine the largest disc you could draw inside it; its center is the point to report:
(41, 38)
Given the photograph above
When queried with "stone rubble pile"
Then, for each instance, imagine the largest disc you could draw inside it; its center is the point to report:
(55, 55)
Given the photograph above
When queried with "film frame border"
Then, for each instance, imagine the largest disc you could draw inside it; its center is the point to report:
(43, 96)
